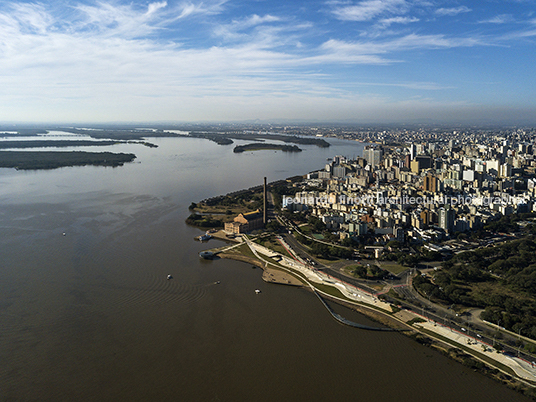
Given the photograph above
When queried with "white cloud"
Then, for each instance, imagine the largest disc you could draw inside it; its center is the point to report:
(427, 86)
(369, 9)
(453, 11)
(207, 7)
(519, 35)
(386, 22)
(33, 17)
(235, 29)
(415, 41)
(499, 19)
(118, 20)
(153, 7)
(256, 20)
(370, 52)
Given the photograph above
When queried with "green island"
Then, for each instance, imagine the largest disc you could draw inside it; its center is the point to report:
(263, 146)
(319, 142)
(32, 160)
(219, 139)
(225, 138)
(67, 143)
(470, 306)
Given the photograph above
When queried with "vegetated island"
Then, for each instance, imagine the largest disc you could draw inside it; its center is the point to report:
(319, 142)
(67, 143)
(33, 160)
(119, 133)
(259, 147)
(218, 138)
(225, 138)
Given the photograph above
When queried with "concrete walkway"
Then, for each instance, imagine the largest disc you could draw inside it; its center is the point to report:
(522, 368)
(312, 275)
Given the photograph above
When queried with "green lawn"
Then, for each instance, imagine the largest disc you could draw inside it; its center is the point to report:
(305, 229)
(393, 267)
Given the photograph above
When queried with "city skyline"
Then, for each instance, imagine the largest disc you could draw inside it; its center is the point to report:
(370, 61)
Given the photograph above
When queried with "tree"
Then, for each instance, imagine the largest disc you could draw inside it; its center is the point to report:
(393, 244)
(320, 249)
(273, 225)
(316, 224)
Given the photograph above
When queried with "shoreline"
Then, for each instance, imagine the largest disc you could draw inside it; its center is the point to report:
(269, 275)
(492, 366)
(275, 276)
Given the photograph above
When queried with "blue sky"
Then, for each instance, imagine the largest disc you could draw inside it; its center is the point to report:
(370, 61)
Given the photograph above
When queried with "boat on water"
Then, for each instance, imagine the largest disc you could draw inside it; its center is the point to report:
(257, 291)
(169, 277)
(207, 255)
(206, 237)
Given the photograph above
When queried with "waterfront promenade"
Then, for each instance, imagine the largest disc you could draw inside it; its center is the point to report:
(280, 268)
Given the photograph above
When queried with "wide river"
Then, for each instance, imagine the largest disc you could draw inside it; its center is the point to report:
(89, 315)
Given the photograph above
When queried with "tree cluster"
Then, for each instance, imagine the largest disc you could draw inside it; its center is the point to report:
(500, 279)
(203, 221)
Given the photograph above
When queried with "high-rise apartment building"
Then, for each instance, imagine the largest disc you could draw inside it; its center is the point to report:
(373, 155)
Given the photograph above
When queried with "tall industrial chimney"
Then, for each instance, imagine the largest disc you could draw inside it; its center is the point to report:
(264, 213)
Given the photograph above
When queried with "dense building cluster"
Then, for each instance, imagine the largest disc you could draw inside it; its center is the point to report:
(423, 186)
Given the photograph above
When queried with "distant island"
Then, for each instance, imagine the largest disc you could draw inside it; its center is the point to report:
(218, 138)
(262, 146)
(319, 142)
(68, 143)
(107, 136)
(33, 160)
(226, 138)
(124, 134)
